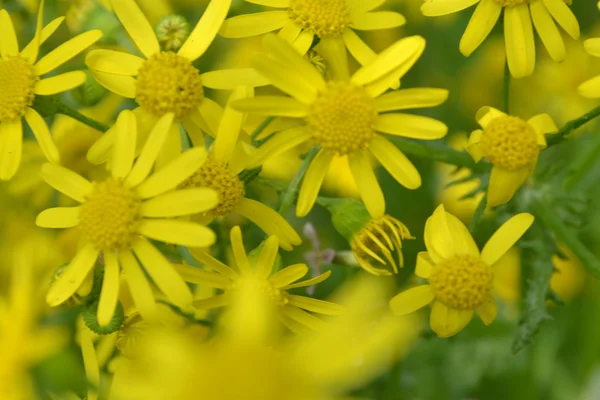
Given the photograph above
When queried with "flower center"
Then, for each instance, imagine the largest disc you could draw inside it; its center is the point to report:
(511, 3)
(343, 118)
(462, 282)
(169, 83)
(323, 17)
(110, 215)
(17, 80)
(217, 176)
(509, 142)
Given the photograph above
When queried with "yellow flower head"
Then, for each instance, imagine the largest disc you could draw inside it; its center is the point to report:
(512, 145)
(518, 28)
(461, 278)
(221, 170)
(21, 81)
(346, 116)
(118, 214)
(292, 309)
(299, 21)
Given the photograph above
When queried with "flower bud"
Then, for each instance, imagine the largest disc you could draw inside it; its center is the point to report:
(172, 31)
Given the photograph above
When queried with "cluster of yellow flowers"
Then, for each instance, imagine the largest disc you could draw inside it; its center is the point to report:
(147, 260)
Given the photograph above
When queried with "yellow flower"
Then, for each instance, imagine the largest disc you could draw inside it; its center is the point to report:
(591, 88)
(518, 29)
(302, 20)
(291, 308)
(21, 82)
(117, 214)
(221, 170)
(461, 278)
(164, 82)
(344, 116)
(512, 145)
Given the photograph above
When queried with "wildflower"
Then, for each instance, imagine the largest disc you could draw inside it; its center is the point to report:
(164, 82)
(220, 172)
(302, 20)
(591, 88)
(512, 145)
(21, 81)
(117, 214)
(518, 30)
(343, 116)
(460, 277)
(291, 308)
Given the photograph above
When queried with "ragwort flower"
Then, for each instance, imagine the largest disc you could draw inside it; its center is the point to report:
(118, 214)
(460, 277)
(21, 82)
(302, 20)
(512, 145)
(518, 29)
(344, 116)
(292, 309)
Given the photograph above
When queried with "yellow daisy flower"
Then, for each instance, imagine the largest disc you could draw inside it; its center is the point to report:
(591, 88)
(162, 82)
(518, 29)
(512, 145)
(292, 309)
(344, 116)
(118, 214)
(302, 20)
(221, 170)
(460, 277)
(21, 82)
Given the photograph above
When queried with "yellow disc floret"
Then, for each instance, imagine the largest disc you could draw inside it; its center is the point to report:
(17, 81)
(343, 118)
(511, 3)
(322, 17)
(509, 142)
(217, 176)
(167, 83)
(462, 282)
(110, 215)
(277, 297)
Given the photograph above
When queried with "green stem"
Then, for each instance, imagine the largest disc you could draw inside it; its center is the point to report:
(542, 208)
(570, 126)
(506, 89)
(49, 106)
(292, 191)
(259, 129)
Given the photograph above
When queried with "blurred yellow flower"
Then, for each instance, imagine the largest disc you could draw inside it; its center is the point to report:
(591, 88)
(460, 278)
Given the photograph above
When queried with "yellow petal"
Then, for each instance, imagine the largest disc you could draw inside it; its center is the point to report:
(201, 277)
(286, 79)
(504, 183)
(183, 233)
(505, 237)
(366, 181)
(208, 261)
(461, 237)
(288, 275)
(9, 46)
(313, 179)
(434, 8)
(271, 3)
(564, 16)
(361, 6)
(279, 143)
(488, 310)
(590, 88)
(411, 300)
(308, 282)
(60, 83)
(172, 174)
(395, 162)
(290, 31)
(316, 306)
(273, 106)
(59, 217)
(110, 289)
(358, 48)
(232, 78)
(543, 124)
(269, 221)
(205, 31)
(163, 274)
(32, 49)
(66, 181)
(480, 25)
(592, 46)
(11, 137)
(119, 84)
(446, 321)
(66, 51)
(438, 238)
(473, 147)
(212, 302)
(171, 147)
(69, 281)
(546, 28)
(411, 98)
(239, 253)
(424, 265)
(113, 62)
(209, 114)
(138, 27)
(90, 361)
(42, 134)
(230, 126)
(266, 259)
(518, 35)
(179, 203)
(333, 50)
(138, 284)
(378, 20)
(254, 24)
(304, 318)
(125, 144)
(411, 126)
(487, 114)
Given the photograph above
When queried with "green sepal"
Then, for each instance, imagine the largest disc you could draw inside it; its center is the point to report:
(348, 216)
(90, 317)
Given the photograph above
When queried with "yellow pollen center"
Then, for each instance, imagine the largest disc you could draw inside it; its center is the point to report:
(343, 118)
(462, 282)
(509, 142)
(323, 17)
(167, 83)
(511, 3)
(110, 215)
(276, 296)
(217, 176)
(17, 81)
